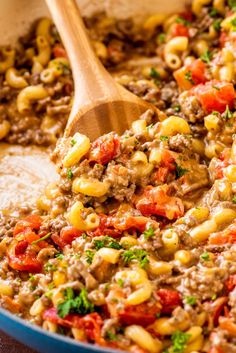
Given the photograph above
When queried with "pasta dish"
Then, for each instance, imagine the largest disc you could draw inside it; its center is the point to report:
(134, 248)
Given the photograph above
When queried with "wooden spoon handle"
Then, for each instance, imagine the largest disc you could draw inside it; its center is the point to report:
(88, 72)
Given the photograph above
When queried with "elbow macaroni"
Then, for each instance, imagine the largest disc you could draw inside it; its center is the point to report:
(172, 50)
(28, 95)
(76, 152)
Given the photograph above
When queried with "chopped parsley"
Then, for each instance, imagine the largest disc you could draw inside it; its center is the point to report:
(216, 24)
(150, 126)
(49, 267)
(215, 113)
(179, 340)
(188, 76)
(31, 277)
(206, 57)
(69, 174)
(213, 13)
(154, 73)
(232, 4)
(73, 142)
(149, 233)
(137, 254)
(182, 21)
(106, 242)
(162, 37)
(75, 304)
(164, 138)
(41, 239)
(177, 108)
(205, 256)
(234, 199)
(233, 23)
(216, 87)
(111, 336)
(180, 171)
(89, 256)
(120, 282)
(191, 300)
(59, 256)
(227, 113)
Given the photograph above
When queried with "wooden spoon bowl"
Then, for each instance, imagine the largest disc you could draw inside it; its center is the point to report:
(100, 104)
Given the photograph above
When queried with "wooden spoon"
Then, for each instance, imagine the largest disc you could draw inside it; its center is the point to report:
(100, 104)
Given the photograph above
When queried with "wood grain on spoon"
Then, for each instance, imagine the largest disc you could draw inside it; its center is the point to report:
(100, 104)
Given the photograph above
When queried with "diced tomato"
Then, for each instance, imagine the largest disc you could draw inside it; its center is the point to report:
(22, 257)
(169, 300)
(228, 325)
(215, 95)
(32, 222)
(68, 234)
(216, 349)
(217, 307)
(106, 227)
(168, 160)
(142, 314)
(197, 72)
(71, 320)
(105, 148)
(179, 30)
(226, 236)
(59, 52)
(187, 15)
(91, 323)
(223, 39)
(230, 284)
(161, 175)
(155, 201)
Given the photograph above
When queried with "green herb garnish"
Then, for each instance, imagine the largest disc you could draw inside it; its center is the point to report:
(72, 304)
(106, 242)
(41, 239)
(177, 108)
(182, 21)
(179, 340)
(50, 267)
(59, 256)
(149, 233)
(206, 57)
(227, 113)
(164, 138)
(154, 73)
(73, 142)
(162, 37)
(180, 171)
(213, 13)
(191, 300)
(111, 336)
(188, 76)
(205, 256)
(234, 199)
(232, 4)
(216, 24)
(138, 254)
(89, 256)
(69, 174)
(120, 282)
(216, 87)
